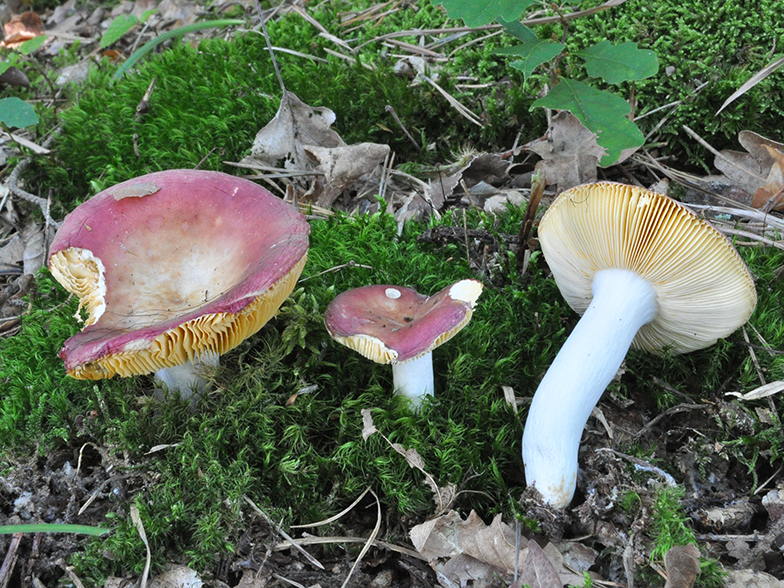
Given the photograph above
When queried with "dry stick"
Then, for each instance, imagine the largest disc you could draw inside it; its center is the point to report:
(391, 110)
(332, 540)
(269, 47)
(720, 155)
(10, 560)
(492, 27)
(13, 180)
(769, 480)
(368, 543)
(453, 101)
(538, 182)
(333, 518)
(286, 536)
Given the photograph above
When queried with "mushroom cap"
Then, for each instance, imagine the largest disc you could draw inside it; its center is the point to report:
(391, 324)
(703, 289)
(172, 265)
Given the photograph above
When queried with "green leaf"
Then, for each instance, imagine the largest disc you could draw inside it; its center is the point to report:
(28, 47)
(150, 45)
(518, 30)
(619, 63)
(476, 13)
(52, 528)
(601, 112)
(15, 112)
(533, 52)
(147, 14)
(117, 28)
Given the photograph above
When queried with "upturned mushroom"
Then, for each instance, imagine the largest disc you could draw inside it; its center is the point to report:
(391, 324)
(173, 269)
(642, 270)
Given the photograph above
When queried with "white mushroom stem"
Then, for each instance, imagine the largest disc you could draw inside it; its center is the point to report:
(414, 378)
(187, 379)
(622, 303)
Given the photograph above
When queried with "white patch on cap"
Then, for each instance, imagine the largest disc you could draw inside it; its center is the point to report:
(392, 293)
(466, 291)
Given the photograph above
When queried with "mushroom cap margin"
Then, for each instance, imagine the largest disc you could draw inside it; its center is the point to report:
(114, 342)
(392, 324)
(704, 290)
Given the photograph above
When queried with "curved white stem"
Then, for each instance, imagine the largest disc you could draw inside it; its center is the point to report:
(414, 378)
(622, 303)
(187, 378)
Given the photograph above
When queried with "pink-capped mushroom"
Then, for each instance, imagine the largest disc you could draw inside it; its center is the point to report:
(391, 324)
(172, 270)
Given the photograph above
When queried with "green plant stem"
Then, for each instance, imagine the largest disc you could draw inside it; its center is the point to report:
(149, 46)
(53, 528)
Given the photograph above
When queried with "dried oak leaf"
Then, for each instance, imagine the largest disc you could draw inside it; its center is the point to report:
(469, 549)
(295, 125)
(569, 152)
(682, 563)
(759, 173)
(342, 166)
(21, 28)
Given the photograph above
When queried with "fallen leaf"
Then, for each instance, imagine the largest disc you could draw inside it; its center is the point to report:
(751, 579)
(537, 571)
(21, 28)
(761, 392)
(342, 166)
(449, 535)
(569, 152)
(759, 173)
(176, 576)
(682, 563)
(368, 428)
(296, 124)
(473, 169)
(12, 253)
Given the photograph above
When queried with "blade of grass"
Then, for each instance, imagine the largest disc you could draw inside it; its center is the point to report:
(53, 528)
(150, 45)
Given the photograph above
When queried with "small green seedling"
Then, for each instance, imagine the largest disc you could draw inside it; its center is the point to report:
(15, 112)
(603, 112)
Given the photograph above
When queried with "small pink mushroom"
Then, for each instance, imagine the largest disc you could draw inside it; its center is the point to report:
(391, 324)
(172, 269)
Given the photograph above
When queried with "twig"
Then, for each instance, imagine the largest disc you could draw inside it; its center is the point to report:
(12, 183)
(269, 46)
(332, 540)
(283, 533)
(10, 560)
(453, 101)
(368, 543)
(492, 27)
(391, 110)
(666, 413)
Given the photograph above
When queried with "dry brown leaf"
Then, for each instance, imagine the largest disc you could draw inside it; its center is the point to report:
(300, 138)
(751, 579)
(295, 125)
(449, 535)
(12, 253)
(537, 571)
(342, 166)
(473, 168)
(682, 563)
(466, 549)
(569, 152)
(21, 28)
(759, 173)
(176, 576)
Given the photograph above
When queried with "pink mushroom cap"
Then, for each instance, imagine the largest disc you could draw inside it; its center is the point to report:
(391, 324)
(174, 264)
